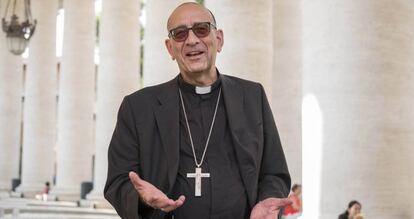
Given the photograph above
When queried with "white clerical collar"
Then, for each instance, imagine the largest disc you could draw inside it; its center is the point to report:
(202, 90)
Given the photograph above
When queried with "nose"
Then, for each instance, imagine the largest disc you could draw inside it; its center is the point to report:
(192, 38)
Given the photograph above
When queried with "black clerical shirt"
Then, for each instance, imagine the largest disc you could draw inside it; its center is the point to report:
(223, 193)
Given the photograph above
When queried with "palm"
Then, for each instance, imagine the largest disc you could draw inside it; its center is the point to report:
(268, 208)
(153, 196)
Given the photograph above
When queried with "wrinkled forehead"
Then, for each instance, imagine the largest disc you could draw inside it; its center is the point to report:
(187, 15)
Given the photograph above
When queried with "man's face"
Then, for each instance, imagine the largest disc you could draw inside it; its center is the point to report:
(194, 55)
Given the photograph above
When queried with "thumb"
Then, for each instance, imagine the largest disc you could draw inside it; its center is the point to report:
(277, 202)
(284, 202)
(135, 179)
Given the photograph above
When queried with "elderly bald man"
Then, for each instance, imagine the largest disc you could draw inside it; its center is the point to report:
(203, 145)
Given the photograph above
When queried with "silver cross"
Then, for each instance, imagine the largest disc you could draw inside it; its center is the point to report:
(198, 175)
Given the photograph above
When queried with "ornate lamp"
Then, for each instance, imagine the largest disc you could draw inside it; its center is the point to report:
(18, 34)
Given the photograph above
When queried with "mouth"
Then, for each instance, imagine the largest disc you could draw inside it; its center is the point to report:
(194, 54)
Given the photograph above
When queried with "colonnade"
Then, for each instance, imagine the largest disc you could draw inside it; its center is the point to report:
(337, 73)
(39, 110)
(357, 119)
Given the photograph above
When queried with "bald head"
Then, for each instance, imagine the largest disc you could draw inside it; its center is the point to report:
(195, 52)
(185, 7)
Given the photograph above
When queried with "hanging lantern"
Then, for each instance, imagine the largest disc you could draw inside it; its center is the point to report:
(18, 33)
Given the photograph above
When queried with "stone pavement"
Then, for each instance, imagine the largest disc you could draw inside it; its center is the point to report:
(23, 208)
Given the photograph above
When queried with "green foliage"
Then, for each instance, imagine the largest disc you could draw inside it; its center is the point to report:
(200, 1)
(98, 21)
(142, 48)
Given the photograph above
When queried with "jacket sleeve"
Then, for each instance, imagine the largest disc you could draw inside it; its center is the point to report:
(123, 156)
(274, 178)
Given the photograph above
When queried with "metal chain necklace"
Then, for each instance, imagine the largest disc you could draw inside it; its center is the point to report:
(198, 174)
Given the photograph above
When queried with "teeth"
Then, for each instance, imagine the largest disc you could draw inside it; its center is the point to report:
(194, 53)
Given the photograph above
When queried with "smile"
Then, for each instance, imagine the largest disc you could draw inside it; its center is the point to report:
(194, 53)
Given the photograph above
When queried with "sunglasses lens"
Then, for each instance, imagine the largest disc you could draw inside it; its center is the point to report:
(201, 29)
(180, 34)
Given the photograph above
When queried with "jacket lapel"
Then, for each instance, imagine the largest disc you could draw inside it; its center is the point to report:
(167, 117)
(234, 101)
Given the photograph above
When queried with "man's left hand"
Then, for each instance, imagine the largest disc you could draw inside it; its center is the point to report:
(269, 208)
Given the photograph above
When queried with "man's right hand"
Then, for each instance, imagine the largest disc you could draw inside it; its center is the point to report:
(153, 196)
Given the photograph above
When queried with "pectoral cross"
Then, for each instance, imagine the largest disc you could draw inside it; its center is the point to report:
(198, 175)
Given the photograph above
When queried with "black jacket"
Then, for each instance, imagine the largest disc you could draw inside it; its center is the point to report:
(146, 140)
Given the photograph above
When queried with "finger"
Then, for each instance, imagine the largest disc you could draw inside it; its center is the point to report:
(138, 183)
(169, 208)
(171, 203)
(279, 203)
(180, 201)
(284, 202)
(273, 210)
(177, 203)
(163, 202)
(135, 179)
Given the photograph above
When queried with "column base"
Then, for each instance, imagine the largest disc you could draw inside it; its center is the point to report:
(65, 194)
(5, 186)
(95, 194)
(30, 190)
(97, 198)
(4, 194)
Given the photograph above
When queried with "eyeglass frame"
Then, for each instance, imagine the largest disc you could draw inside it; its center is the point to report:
(170, 33)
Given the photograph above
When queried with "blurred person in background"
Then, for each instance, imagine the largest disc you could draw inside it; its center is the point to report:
(294, 210)
(354, 209)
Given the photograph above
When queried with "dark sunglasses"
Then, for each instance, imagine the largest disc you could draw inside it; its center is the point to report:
(201, 30)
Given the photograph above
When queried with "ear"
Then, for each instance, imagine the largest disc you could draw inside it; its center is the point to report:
(168, 45)
(220, 40)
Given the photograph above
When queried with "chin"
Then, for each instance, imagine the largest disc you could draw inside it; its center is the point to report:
(197, 69)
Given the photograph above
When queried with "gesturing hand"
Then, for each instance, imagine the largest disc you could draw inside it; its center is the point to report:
(269, 208)
(153, 196)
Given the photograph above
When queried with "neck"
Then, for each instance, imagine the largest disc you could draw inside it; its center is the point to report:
(200, 79)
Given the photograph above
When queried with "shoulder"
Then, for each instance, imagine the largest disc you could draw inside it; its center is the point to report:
(141, 104)
(247, 86)
(342, 216)
(150, 94)
(239, 81)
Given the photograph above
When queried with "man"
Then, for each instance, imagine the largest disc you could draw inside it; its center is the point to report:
(203, 145)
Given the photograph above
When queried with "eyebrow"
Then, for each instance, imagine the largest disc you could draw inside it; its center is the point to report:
(185, 26)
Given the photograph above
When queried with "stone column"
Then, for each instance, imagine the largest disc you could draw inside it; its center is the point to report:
(39, 130)
(158, 65)
(118, 76)
(76, 100)
(11, 81)
(358, 119)
(287, 81)
(248, 39)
